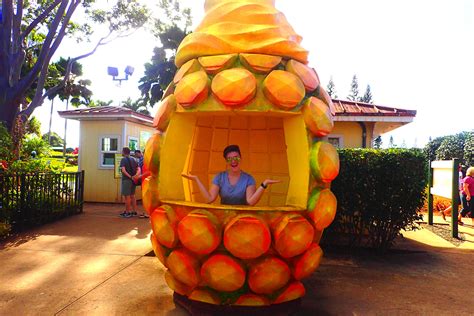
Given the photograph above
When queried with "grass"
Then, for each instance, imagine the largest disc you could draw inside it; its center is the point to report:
(70, 168)
(59, 163)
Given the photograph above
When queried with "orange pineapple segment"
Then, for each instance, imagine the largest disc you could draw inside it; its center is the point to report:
(223, 273)
(184, 267)
(324, 162)
(260, 63)
(307, 263)
(205, 296)
(192, 89)
(199, 232)
(294, 291)
(234, 87)
(317, 117)
(176, 285)
(283, 89)
(252, 300)
(292, 234)
(165, 108)
(268, 275)
(247, 237)
(322, 205)
(214, 64)
(307, 75)
(188, 68)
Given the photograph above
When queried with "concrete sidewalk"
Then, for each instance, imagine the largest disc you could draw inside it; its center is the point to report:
(427, 238)
(96, 264)
(92, 263)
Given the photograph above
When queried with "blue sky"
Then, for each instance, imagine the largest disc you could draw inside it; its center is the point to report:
(415, 55)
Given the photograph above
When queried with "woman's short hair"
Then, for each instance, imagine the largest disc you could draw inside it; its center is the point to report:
(470, 172)
(230, 149)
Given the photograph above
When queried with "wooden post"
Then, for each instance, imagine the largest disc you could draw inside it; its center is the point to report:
(455, 199)
(430, 196)
(82, 190)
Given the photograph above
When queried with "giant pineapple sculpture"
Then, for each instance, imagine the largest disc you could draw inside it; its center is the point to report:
(242, 79)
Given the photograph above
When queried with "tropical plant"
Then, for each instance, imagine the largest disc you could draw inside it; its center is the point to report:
(33, 127)
(431, 147)
(469, 149)
(138, 106)
(170, 29)
(452, 146)
(95, 103)
(53, 139)
(33, 143)
(354, 91)
(378, 142)
(331, 89)
(367, 97)
(391, 143)
(32, 31)
(6, 145)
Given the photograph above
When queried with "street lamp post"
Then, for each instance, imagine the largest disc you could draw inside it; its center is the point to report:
(113, 71)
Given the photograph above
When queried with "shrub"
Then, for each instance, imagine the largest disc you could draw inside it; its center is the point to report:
(431, 147)
(34, 165)
(452, 147)
(6, 144)
(469, 149)
(460, 146)
(34, 143)
(379, 193)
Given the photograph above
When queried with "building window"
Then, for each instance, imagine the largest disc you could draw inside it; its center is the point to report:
(336, 140)
(108, 149)
(133, 143)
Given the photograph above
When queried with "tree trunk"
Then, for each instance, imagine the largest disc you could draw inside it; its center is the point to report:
(50, 121)
(65, 129)
(9, 109)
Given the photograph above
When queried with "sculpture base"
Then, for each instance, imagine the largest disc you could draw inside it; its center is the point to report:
(196, 308)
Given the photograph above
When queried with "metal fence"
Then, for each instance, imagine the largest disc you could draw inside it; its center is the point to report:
(32, 199)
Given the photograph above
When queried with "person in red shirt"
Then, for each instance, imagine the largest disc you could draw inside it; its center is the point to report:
(467, 194)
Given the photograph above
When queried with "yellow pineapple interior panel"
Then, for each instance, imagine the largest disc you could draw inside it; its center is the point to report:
(265, 144)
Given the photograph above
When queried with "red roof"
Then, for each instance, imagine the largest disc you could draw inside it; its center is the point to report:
(352, 108)
(104, 112)
(342, 108)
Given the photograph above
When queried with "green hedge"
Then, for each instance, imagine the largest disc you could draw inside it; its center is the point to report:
(379, 193)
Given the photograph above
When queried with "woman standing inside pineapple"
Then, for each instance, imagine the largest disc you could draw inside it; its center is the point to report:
(234, 186)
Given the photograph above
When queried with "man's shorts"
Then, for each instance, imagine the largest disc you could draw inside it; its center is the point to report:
(128, 188)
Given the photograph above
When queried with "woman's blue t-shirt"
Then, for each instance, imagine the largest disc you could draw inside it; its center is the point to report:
(233, 194)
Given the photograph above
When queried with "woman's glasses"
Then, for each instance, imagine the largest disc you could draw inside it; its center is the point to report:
(231, 159)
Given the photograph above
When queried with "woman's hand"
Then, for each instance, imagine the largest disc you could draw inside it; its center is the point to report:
(270, 181)
(188, 176)
(253, 195)
(209, 196)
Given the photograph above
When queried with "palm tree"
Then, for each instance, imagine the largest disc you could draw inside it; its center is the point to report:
(138, 106)
(75, 92)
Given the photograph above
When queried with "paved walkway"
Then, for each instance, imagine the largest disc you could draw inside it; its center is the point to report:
(96, 264)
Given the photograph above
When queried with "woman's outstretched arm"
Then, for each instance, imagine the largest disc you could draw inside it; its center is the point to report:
(253, 194)
(211, 195)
